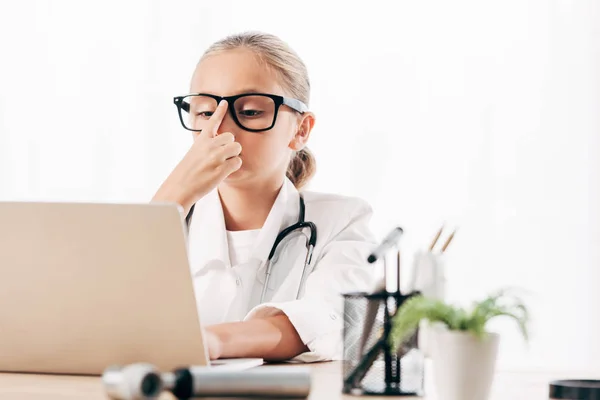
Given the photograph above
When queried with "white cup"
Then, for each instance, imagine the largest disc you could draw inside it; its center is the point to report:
(429, 278)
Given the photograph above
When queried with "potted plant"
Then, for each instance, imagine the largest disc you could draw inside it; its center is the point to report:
(463, 351)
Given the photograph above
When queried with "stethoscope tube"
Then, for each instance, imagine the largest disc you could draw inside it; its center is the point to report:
(310, 246)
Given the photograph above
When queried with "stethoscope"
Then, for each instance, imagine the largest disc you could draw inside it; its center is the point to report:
(310, 246)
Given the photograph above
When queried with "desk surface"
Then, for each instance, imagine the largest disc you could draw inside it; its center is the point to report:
(326, 384)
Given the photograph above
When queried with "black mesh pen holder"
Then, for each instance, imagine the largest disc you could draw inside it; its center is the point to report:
(370, 366)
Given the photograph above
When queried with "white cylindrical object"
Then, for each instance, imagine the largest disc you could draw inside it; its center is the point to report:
(463, 365)
(429, 278)
(263, 382)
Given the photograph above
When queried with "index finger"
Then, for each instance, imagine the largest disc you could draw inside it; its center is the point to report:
(215, 120)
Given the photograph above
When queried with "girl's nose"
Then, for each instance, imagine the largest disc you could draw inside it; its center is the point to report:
(227, 124)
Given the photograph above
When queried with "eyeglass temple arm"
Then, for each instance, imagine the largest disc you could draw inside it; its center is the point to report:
(295, 104)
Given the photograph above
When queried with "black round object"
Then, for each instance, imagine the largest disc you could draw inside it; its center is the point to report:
(575, 389)
(184, 384)
(151, 385)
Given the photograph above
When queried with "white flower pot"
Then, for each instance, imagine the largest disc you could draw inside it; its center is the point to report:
(425, 335)
(463, 365)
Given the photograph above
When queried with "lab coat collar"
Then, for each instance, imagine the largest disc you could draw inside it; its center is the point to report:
(284, 213)
(208, 235)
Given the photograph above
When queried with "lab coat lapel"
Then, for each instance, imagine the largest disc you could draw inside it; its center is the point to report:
(283, 213)
(207, 238)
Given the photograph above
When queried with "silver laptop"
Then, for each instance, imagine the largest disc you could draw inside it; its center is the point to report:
(85, 286)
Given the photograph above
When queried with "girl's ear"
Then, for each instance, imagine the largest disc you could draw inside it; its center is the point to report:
(303, 131)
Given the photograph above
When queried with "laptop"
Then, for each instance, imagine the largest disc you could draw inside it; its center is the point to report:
(85, 286)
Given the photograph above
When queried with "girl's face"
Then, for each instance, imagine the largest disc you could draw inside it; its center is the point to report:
(265, 155)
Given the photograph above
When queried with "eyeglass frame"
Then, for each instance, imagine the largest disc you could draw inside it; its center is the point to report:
(294, 104)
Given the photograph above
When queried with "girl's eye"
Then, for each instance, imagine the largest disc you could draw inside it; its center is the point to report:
(250, 113)
(204, 114)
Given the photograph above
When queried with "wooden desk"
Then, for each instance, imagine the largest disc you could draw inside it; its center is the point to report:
(326, 385)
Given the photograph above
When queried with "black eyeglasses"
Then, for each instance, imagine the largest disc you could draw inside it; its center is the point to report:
(254, 112)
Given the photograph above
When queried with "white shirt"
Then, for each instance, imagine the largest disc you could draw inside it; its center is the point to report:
(240, 245)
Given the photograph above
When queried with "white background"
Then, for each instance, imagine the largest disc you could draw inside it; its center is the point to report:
(481, 114)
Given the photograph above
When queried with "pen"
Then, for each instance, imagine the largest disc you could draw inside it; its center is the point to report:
(448, 241)
(398, 272)
(389, 242)
(436, 238)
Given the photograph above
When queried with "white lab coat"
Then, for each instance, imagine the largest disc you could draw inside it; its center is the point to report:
(227, 293)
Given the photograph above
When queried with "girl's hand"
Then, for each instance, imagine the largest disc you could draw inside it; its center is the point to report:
(213, 343)
(207, 163)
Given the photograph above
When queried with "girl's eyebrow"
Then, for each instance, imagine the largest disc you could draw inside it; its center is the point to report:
(250, 90)
(237, 92)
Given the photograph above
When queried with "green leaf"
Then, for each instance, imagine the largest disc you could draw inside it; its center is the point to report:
(420, 308)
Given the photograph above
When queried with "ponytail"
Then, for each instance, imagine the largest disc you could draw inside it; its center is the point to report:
(302, 167)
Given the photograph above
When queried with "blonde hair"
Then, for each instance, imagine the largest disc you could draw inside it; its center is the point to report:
(294, 78)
